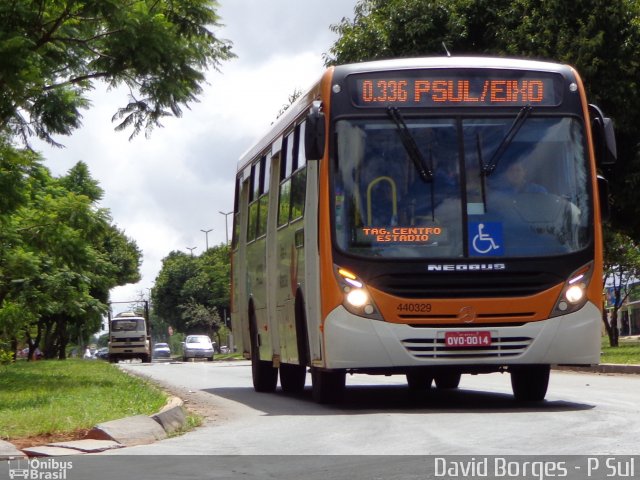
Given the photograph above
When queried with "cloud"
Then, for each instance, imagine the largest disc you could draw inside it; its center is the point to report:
(164, 190)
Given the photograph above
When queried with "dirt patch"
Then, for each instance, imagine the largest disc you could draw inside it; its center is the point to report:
(38, 440)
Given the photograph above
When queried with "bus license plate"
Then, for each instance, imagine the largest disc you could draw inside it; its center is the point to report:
(467, 339)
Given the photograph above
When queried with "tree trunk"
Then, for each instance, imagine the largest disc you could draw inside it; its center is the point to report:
(63, 338)
(614, 334)
(611, 326)
(14, 348)
(49, 342)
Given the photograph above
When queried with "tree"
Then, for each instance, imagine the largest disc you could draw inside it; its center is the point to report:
(601, 38)
(191, 293)
(621, 272)
(167, 295)
(53, 52)
(199, 318)
(59, 257)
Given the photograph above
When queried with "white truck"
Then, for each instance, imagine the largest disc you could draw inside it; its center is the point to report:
(129, 337)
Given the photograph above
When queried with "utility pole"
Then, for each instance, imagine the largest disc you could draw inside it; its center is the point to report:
(206, 237)
(226, 225)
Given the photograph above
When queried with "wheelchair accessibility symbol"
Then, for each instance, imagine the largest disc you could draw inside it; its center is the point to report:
(485, 238)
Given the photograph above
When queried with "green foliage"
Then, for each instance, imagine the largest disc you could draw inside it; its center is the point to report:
(52, 53)
(6, 357)
(191, 293)
(59, 255)
(601, 38)
(15, 167)
(175, 343)
(198, 317)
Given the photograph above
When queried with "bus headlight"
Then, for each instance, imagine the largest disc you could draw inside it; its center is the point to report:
(357, 299)
(574, 294)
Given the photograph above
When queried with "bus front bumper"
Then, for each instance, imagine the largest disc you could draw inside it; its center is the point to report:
(353, 343)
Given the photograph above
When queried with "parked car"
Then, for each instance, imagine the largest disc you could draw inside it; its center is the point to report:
(161, 350)
(197, 346)
(102, 353)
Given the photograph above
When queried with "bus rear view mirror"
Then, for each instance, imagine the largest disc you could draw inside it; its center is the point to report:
(314, 133)
(604, 139)
(603, 193)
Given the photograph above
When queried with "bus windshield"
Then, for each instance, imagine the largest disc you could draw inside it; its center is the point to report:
(525, 197)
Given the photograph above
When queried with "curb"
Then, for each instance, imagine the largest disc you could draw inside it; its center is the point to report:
(602, 368)
(125, 432)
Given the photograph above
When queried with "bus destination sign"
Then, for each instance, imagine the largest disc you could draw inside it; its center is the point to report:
(452, 88)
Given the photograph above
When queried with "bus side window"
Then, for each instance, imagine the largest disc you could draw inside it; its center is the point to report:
(252, 225)
(284, 198)
(252, 220)
(298, 191)
(299, 178)
(262, 215)
(284, 203)
(263, 201)
(288, 161)
(302, 158)
(235, 229)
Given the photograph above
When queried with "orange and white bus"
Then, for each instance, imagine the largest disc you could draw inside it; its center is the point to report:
(426, 217)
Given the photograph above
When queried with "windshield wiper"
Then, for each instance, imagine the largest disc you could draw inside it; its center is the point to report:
(483, 186)
(410, 145)
(507, 139)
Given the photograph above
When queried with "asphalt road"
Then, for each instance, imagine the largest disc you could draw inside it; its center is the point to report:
(583, 414)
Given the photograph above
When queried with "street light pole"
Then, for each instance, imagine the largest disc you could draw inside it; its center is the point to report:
(206, 237)
(191, 249)
(226, 225)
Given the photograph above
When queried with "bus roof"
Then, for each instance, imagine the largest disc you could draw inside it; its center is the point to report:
(453, 62)
(281, 124)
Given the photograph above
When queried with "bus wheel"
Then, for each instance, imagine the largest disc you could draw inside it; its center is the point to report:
(530, 382)
(328, 386)
(447, 380)
(265, 377)
(419, 381)
(292, 377)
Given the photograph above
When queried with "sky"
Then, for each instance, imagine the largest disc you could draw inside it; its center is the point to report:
(163, 191)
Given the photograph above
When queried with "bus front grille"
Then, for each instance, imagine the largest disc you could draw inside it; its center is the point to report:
(501, 347)
(486, 285)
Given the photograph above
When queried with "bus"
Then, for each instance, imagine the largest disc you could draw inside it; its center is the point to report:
(426, 217)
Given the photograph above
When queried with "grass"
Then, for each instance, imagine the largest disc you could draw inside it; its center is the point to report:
(628, 352)
(228, 356)
(57, 397)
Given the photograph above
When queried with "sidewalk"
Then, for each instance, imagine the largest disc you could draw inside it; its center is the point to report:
(602, 368)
